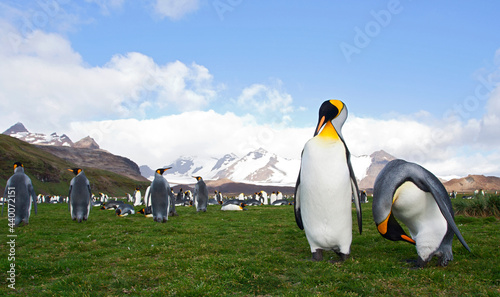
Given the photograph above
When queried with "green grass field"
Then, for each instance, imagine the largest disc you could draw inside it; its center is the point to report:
(256, 252)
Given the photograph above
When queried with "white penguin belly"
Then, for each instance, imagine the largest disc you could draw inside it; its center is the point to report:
(231, 207)
(420, 213)
(325, 196)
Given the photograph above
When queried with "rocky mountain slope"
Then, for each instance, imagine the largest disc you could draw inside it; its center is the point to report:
(83, 153)
(471, 183)
(49, 173)
(101, 159)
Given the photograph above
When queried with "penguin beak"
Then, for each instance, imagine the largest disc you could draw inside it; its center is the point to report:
(321, 122)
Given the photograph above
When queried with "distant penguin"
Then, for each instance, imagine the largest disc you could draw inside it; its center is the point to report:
(253, 202)
(79, 196)
(19, 196)
(231, 201)
(363, 198)
(111, 205)
(264, 197)
(172, 212)
(241, 196)
(212, 201)
(159, 195)
(408, 192)
(188, 198)
(232, 207)
(147, 212)
(146, 195)
(272, 198)
(124, 210)
(130, 199)
(325, 186)
(218, 197)
(137, 197)
(281, 202)
(200, 194)
(179, 200)
(279, 196)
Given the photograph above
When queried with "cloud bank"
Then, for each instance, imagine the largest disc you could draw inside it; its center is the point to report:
(154, 113)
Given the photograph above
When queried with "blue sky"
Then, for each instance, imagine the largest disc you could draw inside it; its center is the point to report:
(396, 64)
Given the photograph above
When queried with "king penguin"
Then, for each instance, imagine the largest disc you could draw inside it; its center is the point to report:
(124, 210)
(80, 196)
(20, 195)
(159, 195)
(326, 185)
(410, 193)
(200, 194)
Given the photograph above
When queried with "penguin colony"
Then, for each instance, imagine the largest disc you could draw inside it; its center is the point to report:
(325, 189)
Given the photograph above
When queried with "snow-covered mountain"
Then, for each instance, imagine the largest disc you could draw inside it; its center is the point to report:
(260, 167)
(256, 167)
(19, 131)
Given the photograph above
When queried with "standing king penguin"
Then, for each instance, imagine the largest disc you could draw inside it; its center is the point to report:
(326, 185)
(408, 192)
(159, 193)
(80, 196)
(19, 190)
(200, 194)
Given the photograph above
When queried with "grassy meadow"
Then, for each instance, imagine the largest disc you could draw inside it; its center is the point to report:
(259, 252)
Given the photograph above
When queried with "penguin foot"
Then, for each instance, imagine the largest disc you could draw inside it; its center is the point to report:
(421, 263)
(442, 261)
(317, 255)
(342, 256)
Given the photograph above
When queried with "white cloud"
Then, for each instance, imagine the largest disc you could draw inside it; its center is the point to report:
(156, 142)
(176, 9)
(41, 76)
(268, 101)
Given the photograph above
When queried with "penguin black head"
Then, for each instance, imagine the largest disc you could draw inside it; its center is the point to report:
(198, 178)
(390, 229)
(329, 111)
(118, 211)
(142, 211)
(161, 170)
(18, 164)
(75, 171)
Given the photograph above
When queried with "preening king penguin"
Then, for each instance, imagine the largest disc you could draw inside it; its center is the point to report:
(326, 185)
(410, 193)
(159, 195)
(80, 196)
(200, 194)
(19, 194)
(124, 210)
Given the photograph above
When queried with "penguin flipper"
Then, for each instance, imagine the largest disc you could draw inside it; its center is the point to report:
(438, 191)
(355, 194)
(5, 196)
(33, 197)
(296, 198)
(69, 197)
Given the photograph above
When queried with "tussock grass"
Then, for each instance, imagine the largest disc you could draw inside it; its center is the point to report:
(259, 252)
(480, 206)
